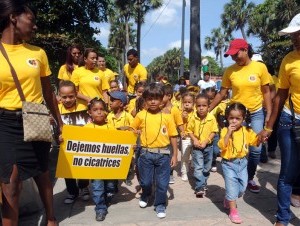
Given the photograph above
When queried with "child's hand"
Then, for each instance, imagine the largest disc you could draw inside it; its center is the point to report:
(185, 114)
(174, 161)
(231, 128)
(197, 143)
(203, 144)
(60, 139)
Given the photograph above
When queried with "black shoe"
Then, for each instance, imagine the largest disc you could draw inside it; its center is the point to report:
(200, 193)
(100, 216)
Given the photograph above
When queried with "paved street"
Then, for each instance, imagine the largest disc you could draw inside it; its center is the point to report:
(183, 207)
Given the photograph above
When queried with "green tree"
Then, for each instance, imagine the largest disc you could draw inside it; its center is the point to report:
(195, 47)
(236, 15)
(218, 41)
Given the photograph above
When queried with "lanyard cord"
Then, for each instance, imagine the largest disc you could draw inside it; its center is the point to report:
(146, 129)
(234, 149)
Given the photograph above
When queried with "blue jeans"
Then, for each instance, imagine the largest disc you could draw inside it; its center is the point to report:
(202, 159)
(290, 166)
(154, 167)
(257, 124)
(98, 195)
(236, 177)
(216, 149)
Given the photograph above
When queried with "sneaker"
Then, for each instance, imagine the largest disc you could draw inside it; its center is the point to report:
(226, 204)
(142, 203)
(184, 177)
(253, 187)
(85, 194)
(200, 193)
(272, 154)
(161, 214)
(213, 169)
(235, 217)
(205, 188)
(295, 202)
(70, 199)
(172, 181)
(100, 216)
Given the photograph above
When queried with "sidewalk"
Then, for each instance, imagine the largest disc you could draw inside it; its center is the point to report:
(183, 207)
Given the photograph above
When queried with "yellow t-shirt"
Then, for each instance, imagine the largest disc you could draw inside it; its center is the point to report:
(202, 128)
(289, 77)
(156, 129)
(175, 112)
(79, 106)
(190, 115)
(125, 119)
(30, 63)
(134, 75)
(63, 74)
(238, 145)
(93, 125)
(246, 82)
(131, 105)
(108, 76)
(89, 82)
(176, 103)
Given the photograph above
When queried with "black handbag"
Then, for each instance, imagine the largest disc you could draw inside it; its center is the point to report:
(295, 128)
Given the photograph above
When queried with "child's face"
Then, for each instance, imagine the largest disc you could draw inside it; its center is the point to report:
(139, 91)
(166, 99)
(68, 96)
(235, 118)
(202, 107)
(211, 95)
(188, 103)
(153, 103)
(98, 113)
(114, 86)
(115, 104)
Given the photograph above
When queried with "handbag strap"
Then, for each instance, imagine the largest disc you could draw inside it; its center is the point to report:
(292, 110)
(13, 73)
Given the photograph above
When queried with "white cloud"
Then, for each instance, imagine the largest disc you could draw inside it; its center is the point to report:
(103, 35)
(177, 44)
(209, 53)
(164, 16)
(147, 55)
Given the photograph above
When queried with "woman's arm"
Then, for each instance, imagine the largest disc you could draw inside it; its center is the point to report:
(82, 97)
(267, 101)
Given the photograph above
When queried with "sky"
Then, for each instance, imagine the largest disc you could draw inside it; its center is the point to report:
(162, 28)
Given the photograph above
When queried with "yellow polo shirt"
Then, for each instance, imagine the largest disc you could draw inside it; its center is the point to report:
(246, 82)
(30, 63)
(92, 125)
(134, 75)
(238, 145)
(125, 119)
(156, 129)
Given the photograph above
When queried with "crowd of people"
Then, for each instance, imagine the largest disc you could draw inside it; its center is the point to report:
(197, 122)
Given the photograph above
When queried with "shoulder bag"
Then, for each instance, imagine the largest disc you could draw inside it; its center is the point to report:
(36, 117)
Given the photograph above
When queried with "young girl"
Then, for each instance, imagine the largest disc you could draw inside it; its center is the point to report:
(132, 106)
(234, 144)
(202, 128)
(73, 112)
(100, 188)
(188, 102)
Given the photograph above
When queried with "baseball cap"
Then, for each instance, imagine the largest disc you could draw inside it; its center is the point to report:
(294, 26)
(257, 57)
(119, 96)
(235, 46)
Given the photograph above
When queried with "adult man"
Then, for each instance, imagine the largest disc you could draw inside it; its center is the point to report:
(134, 71)
(206, 82)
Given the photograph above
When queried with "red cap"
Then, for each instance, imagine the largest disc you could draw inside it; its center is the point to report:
(235, 46)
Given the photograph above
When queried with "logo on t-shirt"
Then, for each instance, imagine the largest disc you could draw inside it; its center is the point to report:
(32, 63)
(96, 78)
(252, 78)
(136, 77)
(164, 130)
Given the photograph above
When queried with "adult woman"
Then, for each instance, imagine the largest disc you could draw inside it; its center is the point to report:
(88, 79)
(288, 85)
(249, 81)
(72, 59)
(21, 160)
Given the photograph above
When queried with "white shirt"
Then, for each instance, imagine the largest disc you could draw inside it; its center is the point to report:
(203, 84)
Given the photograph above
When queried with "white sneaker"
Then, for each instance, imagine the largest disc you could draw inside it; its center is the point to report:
(142, 203)
(161, 214)
(213, 169)
(85, 194)
(172, 181)
(184, 177)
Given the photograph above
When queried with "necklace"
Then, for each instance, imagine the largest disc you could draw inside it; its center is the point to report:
(146, 129)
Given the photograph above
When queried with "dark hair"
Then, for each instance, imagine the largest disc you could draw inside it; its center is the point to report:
(250, 51)
(132, 52)
(111, 81)
(8, 7)
(188, 94)
(183, 90)
(202, 96)
(66, 83)
(209, 89)
(168, 89)
(139, 104)
(154, 90)
(69, 58)
(89, 50)
(237, 106)
(138, 85)
(95, 101)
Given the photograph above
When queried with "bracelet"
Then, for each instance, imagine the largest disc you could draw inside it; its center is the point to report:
(267, 129)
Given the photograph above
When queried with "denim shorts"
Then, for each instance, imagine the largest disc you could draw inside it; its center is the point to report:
(236, 177)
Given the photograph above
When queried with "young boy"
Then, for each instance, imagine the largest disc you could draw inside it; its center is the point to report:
(202, 128)
(168, 108)
(157, 130)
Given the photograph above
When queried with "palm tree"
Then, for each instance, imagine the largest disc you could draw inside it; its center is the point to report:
(195, 48)
(236, 15)
(218, 41)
